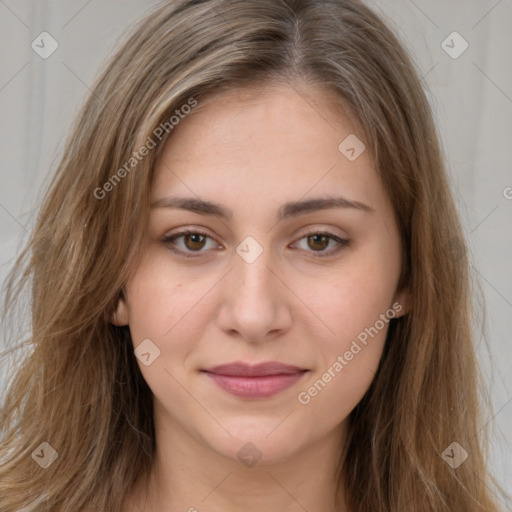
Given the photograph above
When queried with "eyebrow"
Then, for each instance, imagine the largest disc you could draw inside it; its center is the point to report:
(290, 209)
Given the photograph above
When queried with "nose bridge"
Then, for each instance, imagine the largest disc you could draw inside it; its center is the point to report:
(253, 268)
(253, 305)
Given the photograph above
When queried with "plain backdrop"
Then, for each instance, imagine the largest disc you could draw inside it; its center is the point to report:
(471, 96)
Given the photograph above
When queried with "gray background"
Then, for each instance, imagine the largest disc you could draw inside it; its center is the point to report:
(471, 96)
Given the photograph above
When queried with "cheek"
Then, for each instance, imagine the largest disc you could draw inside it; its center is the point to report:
(163, 303)
(331, 395)
(169, 310)
(349, 299)
(358, 307)
(359, 312)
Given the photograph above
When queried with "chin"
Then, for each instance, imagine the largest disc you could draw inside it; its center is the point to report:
(263, 440)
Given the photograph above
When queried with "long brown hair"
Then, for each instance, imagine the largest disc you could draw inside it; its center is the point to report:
(78, 387)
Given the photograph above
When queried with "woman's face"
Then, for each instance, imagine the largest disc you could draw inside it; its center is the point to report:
(275, 279)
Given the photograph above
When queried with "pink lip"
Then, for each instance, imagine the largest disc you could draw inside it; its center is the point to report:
(255, 381)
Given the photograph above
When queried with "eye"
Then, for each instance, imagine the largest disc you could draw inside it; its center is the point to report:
(320, 240)
(193, 240)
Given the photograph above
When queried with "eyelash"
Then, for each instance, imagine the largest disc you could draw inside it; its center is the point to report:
(169, 240)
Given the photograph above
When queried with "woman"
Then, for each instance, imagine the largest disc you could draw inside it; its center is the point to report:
(249, 284)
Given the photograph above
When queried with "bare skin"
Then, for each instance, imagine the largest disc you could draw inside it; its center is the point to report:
(252, 154)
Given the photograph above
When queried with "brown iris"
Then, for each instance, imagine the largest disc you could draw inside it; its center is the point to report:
(323, 240)
(197, 243)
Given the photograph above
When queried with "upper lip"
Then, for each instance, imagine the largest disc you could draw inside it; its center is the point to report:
(241, 369)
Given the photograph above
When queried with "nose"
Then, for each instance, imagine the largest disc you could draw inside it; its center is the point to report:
(256, 303)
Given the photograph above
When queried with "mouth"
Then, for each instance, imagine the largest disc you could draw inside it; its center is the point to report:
(255, 381)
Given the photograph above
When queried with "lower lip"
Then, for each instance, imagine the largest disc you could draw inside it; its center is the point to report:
(255, 387)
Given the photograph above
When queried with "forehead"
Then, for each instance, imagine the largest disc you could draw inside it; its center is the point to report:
(277, 98)
(275, 142)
